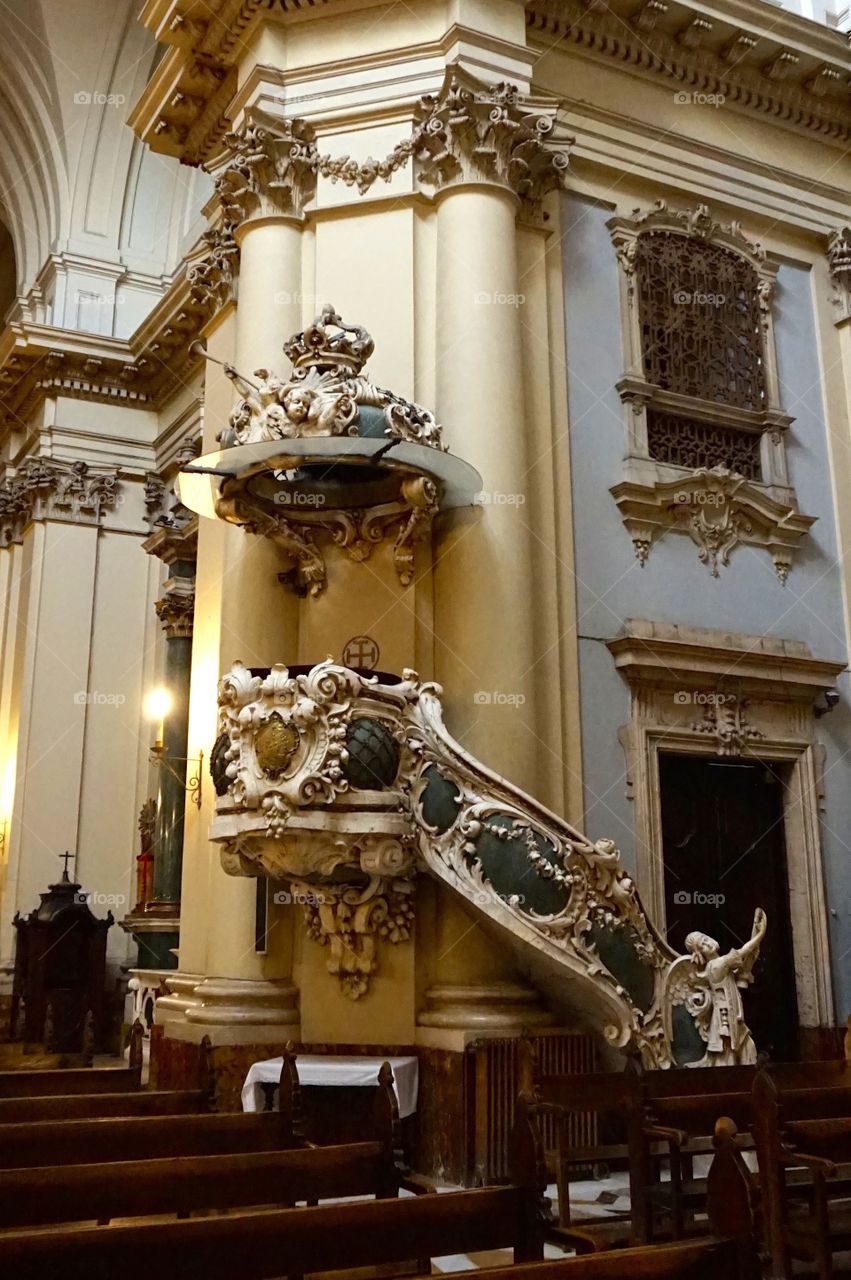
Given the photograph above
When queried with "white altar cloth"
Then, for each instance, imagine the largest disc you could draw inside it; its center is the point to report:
(330, 1071)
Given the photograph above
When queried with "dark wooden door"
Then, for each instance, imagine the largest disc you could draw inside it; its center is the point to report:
(725, 855)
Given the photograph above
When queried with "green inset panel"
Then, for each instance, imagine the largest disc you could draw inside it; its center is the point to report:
(618, 952)
(686, 1042)
(440, 803)
(506, 865)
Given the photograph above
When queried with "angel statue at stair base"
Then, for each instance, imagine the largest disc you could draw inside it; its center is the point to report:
(712, 995)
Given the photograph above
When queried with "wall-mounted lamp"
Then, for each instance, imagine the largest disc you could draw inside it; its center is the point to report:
(157, 706)
(825, 703)
(158, 703)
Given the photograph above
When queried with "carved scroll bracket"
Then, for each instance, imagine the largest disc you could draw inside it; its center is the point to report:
(839, 265)
(353, 921)
(719, 510)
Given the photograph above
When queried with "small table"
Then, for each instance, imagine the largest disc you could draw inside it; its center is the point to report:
(335, 1072)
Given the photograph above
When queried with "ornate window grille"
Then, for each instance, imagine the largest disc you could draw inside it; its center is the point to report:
(700, 391)
(688, 442)
(701, 329)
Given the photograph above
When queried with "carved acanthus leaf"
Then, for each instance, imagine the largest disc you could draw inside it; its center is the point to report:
(350, 921)
(48, 489)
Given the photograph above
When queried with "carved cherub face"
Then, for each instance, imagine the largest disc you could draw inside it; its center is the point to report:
(702, 946)
(297, 404)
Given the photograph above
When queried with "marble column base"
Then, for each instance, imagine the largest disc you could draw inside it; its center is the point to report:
(241, 1010)
(500, 1007)
(181, 996)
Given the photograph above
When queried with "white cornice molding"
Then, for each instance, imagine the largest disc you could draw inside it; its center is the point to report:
(613, 143)
(678, 656)
(795, 72)
(38, 360)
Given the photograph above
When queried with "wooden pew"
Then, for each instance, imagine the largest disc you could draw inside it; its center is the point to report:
(189, 1184)
(43, 1084)
(49, 1142)
(257, 1246)
(695, 1260)
(106, 1140)
(691, 1101)
(669, 1115)
(90, 1106)
(803, 1133)
(339, 1237)
(616, 1093)
(291, 1242)
(85, 1192)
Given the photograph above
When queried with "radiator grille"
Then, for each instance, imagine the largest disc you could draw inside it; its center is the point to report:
(498, 1083)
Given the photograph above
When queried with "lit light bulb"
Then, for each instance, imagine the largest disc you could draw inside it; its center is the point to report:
(157, 706)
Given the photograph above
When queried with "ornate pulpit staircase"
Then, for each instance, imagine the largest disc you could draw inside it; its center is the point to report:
(345, 785)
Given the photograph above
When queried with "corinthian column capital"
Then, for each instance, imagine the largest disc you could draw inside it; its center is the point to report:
(472, 132)
(271, 171)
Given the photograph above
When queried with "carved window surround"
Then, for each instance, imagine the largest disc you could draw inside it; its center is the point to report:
(839, 266)
(717, 506)
(707, 692)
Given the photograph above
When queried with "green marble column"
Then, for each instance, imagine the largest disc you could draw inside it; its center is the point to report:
(156, 925)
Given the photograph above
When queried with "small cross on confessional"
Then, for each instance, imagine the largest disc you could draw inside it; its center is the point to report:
(65, 856)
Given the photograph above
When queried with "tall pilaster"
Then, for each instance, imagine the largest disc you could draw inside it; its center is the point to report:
(263, 190)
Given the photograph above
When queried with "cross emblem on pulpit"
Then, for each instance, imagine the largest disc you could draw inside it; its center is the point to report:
(361, 652)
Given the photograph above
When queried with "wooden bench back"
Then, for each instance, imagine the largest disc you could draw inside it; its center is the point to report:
(98, 1192)
(90, 1106)
(604, 1091)
(280, 1243)
(50, 1142)
(43, 1084)
(708, 1259)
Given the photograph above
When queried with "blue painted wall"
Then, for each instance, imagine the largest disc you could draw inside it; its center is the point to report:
(674, 586)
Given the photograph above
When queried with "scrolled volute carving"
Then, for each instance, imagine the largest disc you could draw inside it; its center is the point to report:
(50, 489)
(272, 169)
(492, 134)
